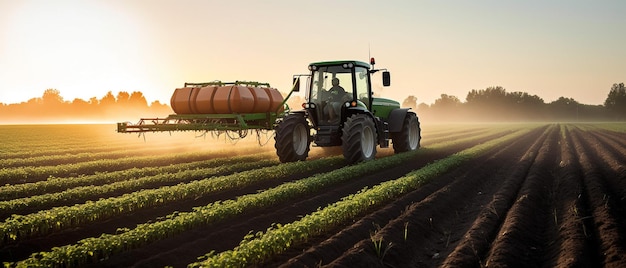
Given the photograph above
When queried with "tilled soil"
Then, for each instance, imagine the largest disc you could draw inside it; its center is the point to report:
(553, 198)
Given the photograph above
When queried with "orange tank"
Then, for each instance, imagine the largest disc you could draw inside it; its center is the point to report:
(226, 99)
(276, 99)
(182, 98)
(203, 102)
(233, 99)
(262, 102)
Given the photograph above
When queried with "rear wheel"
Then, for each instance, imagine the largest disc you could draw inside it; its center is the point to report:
(359, 138)
(408, 139)
(292, 140)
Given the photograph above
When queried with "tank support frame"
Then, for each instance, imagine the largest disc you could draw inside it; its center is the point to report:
(201, 122)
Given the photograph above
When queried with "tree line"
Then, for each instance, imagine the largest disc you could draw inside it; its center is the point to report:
(51, 107)
(496, 104)
(490, 104)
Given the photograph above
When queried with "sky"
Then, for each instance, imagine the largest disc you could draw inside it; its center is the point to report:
(85, 48)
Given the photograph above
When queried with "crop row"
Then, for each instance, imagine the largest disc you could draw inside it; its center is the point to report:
(19, 227)
(91, 249)
(278, 238)
(617, 127)
(54, 184)
(24, 141)
(80, 194)
(29, 150)
(33, 174)
(59, 159)
(21, 150)
(456, 135)
(46, 137)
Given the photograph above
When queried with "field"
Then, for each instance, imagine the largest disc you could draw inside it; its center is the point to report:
(522, 195)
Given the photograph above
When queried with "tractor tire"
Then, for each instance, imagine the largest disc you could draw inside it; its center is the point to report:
(292, 139)
(408, 139)
(359, 139)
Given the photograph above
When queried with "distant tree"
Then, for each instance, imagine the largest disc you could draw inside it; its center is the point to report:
(488, 104)
(524, 106)
(52, 96)
(447, 101)
(137, 99)
(410, 102)
(615, 102)
(423, 107)
(423, 111)
(80, 103)
(108, 100)
(446, 108)
(158, 104)
(160, 109)
(122, 98)
(34, 101)
(93, 101)
(490, 95)
(564, 109)
(82, 109)
(525, 99)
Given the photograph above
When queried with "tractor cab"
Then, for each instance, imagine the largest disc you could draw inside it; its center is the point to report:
(336, 86)
(336, 91)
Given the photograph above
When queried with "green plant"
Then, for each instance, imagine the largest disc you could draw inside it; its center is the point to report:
(380, 248)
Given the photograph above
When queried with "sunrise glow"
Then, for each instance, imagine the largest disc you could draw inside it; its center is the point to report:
(87, 48)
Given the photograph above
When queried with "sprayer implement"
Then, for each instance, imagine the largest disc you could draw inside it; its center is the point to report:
(233, 107)
(201, 122)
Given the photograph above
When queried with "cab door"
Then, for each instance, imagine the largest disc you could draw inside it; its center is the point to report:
(362, 85)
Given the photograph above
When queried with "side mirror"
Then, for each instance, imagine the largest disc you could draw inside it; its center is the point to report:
(386, 78)
(296, 84)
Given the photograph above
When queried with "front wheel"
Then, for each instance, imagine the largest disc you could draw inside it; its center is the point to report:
(292, 140)
(359, 138)
(408, 139)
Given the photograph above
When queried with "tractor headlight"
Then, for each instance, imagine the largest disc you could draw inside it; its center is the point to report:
(347, 65)
(312, 68)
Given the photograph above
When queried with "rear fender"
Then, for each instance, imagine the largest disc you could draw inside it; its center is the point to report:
(396, 119)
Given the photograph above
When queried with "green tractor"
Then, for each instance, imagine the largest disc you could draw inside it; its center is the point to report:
(342, 111)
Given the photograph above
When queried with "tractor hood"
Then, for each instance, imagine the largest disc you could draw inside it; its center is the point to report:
(385, 102)
(382, 107)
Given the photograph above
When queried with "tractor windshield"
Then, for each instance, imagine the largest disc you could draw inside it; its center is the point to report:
(330, 89)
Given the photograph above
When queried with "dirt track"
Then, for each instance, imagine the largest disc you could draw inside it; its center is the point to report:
(555, 197)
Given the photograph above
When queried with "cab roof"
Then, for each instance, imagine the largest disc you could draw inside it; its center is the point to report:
(340, 62)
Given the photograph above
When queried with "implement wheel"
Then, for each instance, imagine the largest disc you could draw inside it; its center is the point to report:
(408, 139)
(359, 139)
(292, 139)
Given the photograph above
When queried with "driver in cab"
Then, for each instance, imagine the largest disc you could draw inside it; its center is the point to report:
(336, 96)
